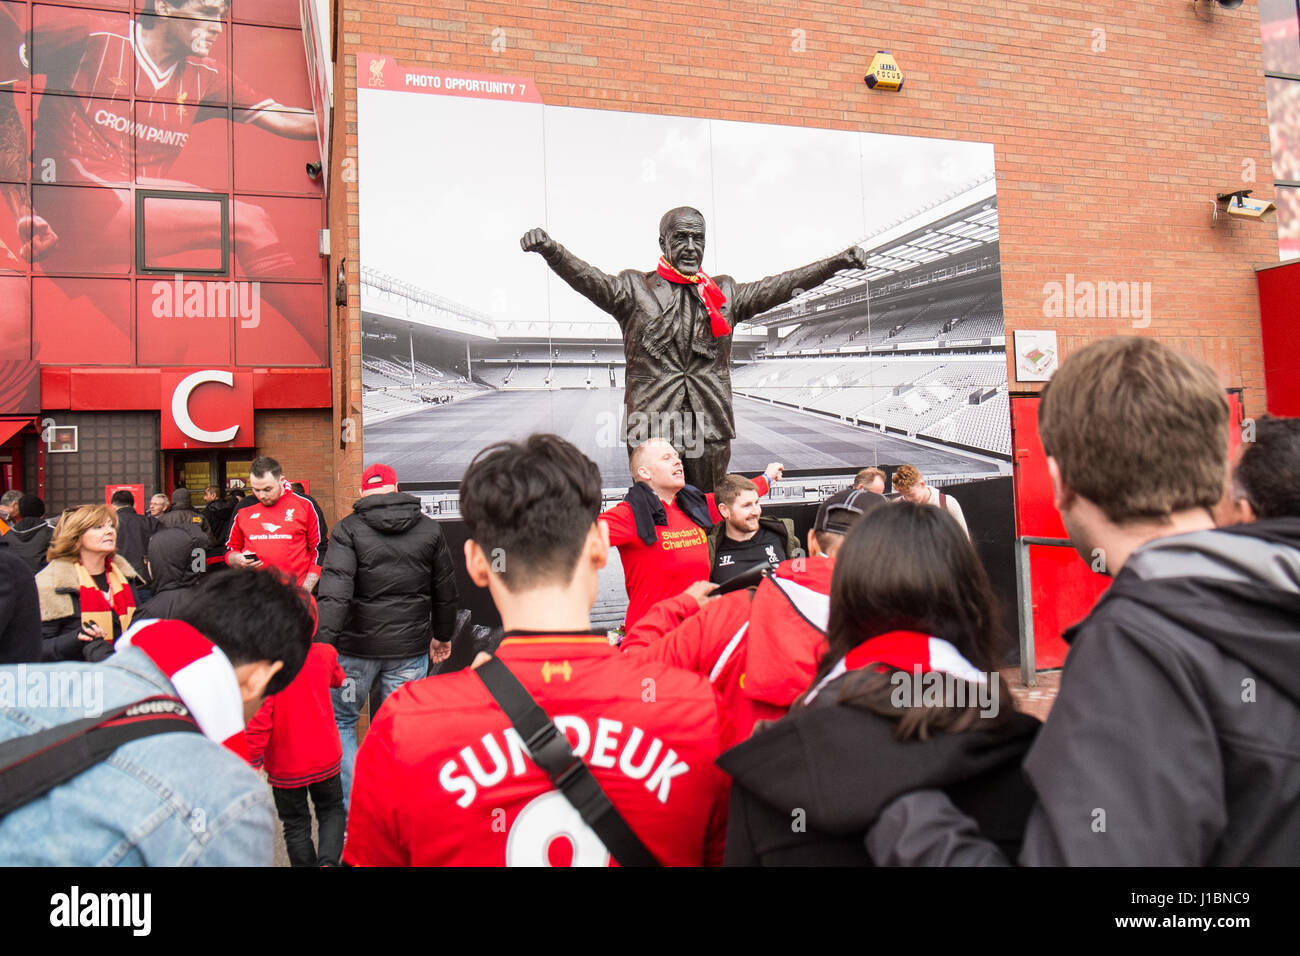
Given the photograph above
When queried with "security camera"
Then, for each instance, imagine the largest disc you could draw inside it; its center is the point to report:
(313, 170)
(1205, 8)
(1241, 205)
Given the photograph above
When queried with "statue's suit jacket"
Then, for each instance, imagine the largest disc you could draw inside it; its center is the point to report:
(674, 364)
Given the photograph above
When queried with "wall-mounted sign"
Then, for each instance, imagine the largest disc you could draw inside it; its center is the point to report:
(209, 408)
(137, 492)
(61, 438)
(1036, 354)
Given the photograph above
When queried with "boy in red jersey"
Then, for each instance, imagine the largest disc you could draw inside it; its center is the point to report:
(659, 564)
(443, 777)
(294, 736)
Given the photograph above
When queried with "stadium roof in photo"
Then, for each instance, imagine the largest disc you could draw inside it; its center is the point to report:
(964, 220)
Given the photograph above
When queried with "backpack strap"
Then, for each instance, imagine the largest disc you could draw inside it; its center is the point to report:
(569, 773)
(33, 765)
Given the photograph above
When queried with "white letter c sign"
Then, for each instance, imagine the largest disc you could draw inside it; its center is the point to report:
(181, 406)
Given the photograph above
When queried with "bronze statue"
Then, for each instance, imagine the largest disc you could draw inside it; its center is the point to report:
(677, 323)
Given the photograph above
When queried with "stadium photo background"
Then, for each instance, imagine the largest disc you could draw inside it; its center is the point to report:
(467, 340)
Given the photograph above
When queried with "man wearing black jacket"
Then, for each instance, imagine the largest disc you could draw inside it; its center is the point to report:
(133, 533)
(1172, 741)
(387, 600)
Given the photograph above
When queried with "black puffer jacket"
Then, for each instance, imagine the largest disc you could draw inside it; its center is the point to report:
(388, 586)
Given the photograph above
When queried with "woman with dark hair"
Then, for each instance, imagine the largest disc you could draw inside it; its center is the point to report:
(86, 590)
(908, 696)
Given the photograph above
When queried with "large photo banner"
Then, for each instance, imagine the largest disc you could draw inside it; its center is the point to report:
(509, 259)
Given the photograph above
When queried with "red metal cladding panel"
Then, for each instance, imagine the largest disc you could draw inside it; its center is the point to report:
(292, 388)
(56, 388)
(112, 389)
(1279, 326)
(1035, 513)
(206, 408)
(1064, 586)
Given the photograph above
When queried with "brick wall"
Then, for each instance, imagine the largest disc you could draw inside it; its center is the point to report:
(1113, 127)
(300, 441)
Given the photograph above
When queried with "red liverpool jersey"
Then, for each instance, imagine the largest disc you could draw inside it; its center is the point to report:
(444, 779)
(678, 558)
(286, 535)
(100, 60)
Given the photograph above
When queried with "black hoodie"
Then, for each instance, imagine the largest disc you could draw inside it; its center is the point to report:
(388, 586)
(173, 555)
(1175, 737)
(29, 539)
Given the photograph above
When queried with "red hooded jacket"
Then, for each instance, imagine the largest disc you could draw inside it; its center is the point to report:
(760, 652)
(294, 732)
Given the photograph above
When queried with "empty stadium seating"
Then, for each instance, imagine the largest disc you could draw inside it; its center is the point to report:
(927, 396)
(973, 316)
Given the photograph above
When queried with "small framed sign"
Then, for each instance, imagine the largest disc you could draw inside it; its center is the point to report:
(62, 438)
(1036, 354)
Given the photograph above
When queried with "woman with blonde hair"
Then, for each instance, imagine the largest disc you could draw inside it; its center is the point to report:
(87, 598)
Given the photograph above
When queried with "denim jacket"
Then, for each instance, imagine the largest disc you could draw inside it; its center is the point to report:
(175, 799)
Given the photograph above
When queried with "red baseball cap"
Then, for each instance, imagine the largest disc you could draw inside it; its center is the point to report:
(376, 476)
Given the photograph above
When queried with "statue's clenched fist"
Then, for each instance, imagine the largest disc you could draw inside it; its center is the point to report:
(536, 240)
(856, 257)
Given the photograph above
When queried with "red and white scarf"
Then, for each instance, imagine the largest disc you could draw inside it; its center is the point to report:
(98, 608)
(909, 651)
(201, 674)
(712, 296)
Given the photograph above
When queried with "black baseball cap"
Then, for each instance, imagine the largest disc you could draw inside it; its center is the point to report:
(838, 513)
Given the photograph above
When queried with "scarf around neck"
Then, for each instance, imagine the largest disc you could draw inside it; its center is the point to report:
(907, 651)
(712, 296)
(201, 674)
(101, 610)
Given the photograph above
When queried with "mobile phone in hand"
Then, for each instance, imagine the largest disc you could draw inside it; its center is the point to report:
(249, 556)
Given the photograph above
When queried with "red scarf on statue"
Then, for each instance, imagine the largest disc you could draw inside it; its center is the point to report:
(712, 297)
(96, 608)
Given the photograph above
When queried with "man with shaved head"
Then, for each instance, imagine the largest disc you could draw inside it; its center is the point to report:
(659, 528)
(677, 324)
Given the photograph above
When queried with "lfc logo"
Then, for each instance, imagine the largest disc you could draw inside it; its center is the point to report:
(377, 71)
(181, 97)
(563, 669)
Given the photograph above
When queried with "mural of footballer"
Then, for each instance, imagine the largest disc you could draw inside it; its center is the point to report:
(94, 137)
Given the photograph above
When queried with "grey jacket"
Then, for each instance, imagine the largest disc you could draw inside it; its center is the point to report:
(1175, 738)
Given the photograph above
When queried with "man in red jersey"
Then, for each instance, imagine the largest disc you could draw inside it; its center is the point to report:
(443, 778)
(280, 530)
(759, 647)
(659, 528)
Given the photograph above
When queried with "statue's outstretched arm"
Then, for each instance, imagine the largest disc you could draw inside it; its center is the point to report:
(608, 293)
(753, 298)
